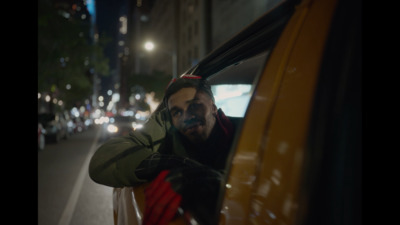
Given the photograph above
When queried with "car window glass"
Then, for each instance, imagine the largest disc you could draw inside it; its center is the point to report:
(229, 96)
(233, 86)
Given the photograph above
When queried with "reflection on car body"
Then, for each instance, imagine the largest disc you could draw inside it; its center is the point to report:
(296, 156)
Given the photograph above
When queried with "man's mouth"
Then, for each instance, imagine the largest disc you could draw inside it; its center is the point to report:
(192, 127)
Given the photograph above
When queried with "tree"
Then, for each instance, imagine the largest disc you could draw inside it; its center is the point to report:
(156, 82)
(67, 54)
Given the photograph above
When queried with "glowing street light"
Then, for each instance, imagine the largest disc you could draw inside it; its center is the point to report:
(149, 46)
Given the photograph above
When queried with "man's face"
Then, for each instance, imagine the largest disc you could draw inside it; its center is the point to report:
(193, 114)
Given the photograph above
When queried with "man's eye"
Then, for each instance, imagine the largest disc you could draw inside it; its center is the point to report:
(176, 113)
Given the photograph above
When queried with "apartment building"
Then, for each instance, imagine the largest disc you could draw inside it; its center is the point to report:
(193, 28)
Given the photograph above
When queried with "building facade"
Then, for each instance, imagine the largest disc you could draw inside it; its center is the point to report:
(182, 31)
(191, 29)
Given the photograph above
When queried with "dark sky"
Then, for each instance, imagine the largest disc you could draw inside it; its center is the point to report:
(107, 22)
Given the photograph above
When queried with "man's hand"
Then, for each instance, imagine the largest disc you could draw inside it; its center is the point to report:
(150, 167)
(195, 189)
(162, 201)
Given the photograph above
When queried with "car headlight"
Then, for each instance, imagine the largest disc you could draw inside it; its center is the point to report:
(136, 125)
(112, 128)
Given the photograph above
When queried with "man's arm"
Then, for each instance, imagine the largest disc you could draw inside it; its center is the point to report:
(115, 162)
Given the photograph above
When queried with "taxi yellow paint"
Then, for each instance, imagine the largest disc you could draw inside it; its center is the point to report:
(264, 178)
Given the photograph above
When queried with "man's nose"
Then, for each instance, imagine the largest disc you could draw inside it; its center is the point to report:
(188, 115)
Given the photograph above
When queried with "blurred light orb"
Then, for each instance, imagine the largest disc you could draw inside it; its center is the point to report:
(144, 18)
(149, 46)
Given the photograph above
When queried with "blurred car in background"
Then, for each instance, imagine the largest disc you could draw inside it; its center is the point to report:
(41, 137)
(88, 122)
(79, 124)
(70, 124)
(294, 78)
(119, 125)
(56, 126)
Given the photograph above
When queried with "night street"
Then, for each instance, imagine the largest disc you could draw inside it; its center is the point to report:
(66, 194)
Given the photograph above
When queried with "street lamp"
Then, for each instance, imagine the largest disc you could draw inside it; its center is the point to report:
(149, 46)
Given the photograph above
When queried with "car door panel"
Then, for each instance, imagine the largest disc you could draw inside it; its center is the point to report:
(265, 171)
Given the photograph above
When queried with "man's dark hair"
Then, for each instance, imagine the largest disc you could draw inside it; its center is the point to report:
(184, 82)
(198, 84)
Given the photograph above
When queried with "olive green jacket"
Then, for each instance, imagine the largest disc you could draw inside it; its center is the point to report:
(114, 162)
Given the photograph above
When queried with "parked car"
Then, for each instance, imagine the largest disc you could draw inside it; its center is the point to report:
(296, 158)
(69, 121)
(55, 125)
(41, 137)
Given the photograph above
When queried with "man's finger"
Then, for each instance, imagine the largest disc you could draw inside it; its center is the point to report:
(162, 209)
(170, 212)
(156, 182)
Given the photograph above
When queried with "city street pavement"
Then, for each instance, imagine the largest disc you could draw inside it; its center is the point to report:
(66, 194)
